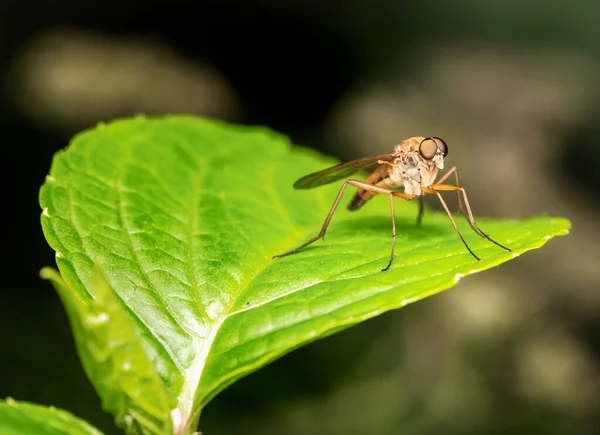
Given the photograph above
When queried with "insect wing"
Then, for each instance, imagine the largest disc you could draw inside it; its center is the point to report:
(338, 172)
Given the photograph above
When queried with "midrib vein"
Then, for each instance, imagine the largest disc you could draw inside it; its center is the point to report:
(194, 374)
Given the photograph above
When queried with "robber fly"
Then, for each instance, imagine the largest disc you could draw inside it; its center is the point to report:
(413, 165)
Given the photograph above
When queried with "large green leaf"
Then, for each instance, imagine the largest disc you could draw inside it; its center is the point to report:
(22, 418)
(186, 214)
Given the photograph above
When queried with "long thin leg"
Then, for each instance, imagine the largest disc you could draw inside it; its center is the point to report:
(454, 170)
(421, 210)
(469, 214)
(435, 192)
(393, 232)
(323, 228)
(364, 186)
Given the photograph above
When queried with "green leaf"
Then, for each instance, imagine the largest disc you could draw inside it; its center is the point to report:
(187, 214)
(113, 357)
(22, 418)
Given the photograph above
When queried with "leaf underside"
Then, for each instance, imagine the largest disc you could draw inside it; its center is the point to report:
(186, 213)
(113, 356)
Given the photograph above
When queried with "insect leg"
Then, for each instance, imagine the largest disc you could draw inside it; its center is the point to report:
(469, 214)
(325, 224)
(454, 170)
(392, 194)
(421, 210)
(364, 186)
(393, 232)
(435, 192)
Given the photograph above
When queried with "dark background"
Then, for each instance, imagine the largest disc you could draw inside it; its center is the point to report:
(512, 86)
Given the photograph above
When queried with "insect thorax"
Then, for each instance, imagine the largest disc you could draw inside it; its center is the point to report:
(413, 172)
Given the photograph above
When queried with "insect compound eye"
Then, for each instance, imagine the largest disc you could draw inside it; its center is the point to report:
(441, 146)
(428, 148)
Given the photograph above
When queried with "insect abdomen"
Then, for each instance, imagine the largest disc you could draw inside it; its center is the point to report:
(362, 196)
(357, 201)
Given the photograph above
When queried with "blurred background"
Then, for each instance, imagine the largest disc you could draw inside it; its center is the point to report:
(512, 86)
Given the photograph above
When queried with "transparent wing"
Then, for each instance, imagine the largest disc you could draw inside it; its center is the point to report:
(343, 170)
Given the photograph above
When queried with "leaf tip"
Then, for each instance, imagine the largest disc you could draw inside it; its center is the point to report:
(565, 226)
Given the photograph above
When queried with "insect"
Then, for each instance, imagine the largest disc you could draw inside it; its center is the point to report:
(414, 165)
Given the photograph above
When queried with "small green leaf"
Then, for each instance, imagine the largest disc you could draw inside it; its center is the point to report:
(22, 418)
(187, 214)
(114, 359)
